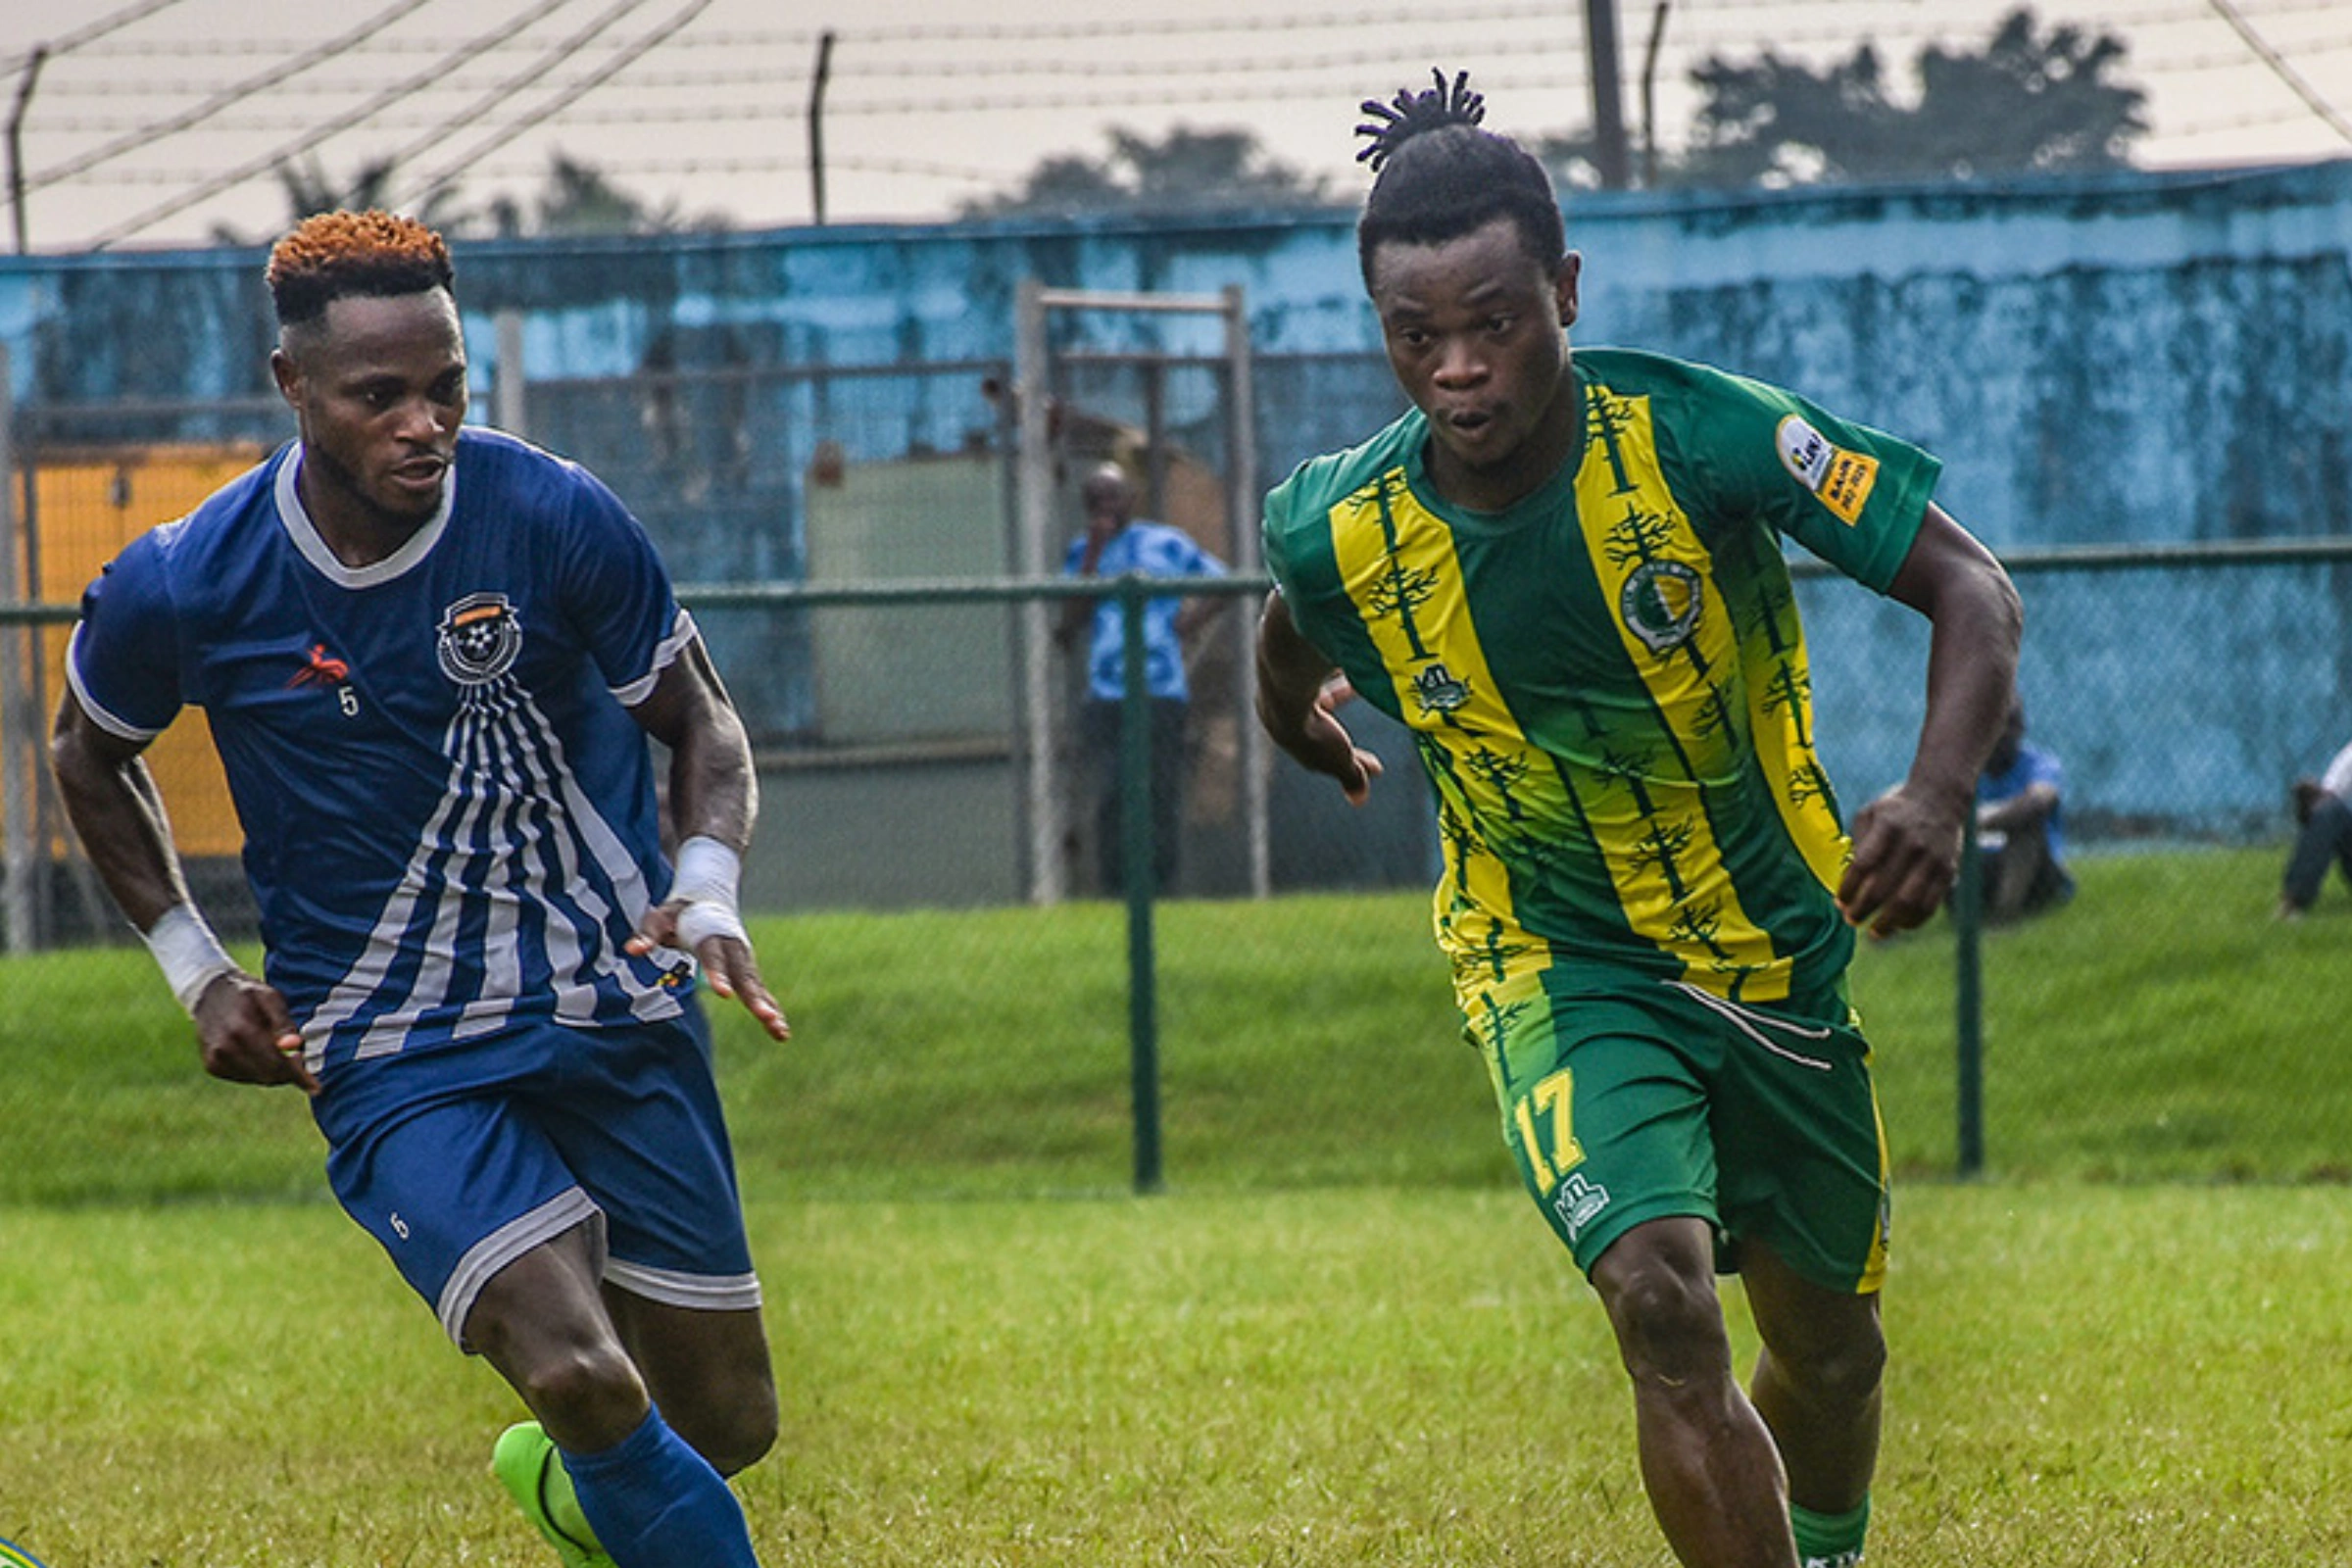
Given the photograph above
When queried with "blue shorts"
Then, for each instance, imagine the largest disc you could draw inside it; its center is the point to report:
(461, 1158)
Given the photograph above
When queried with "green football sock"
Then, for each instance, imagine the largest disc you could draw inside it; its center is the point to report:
(1830, 1540)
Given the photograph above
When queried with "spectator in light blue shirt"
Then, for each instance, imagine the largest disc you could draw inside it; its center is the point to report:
(1116, 544)
(2020, 835)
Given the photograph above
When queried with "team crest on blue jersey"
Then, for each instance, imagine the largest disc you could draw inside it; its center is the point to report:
(480, 637)
(1660, 603)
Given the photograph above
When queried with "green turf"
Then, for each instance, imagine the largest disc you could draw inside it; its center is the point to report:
(2161, 1026)
(1341, 1337)
(2084, 1377)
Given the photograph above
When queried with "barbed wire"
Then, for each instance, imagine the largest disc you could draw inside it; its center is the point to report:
(696, 77)
(2237, 60)
(2114, 19)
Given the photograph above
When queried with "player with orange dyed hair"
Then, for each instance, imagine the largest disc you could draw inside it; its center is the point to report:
(431, 657)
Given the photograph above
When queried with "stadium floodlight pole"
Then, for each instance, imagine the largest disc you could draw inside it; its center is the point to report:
(1608, 95)
(816, 124)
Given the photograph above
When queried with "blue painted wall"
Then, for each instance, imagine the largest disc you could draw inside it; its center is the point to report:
(2129, 359)
(2137, 358)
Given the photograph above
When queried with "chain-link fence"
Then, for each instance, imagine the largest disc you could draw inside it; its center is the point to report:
(850, 544)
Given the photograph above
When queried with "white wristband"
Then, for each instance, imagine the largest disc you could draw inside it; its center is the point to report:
(186, 951)
(709, 872)
(706, 918)
(710, 875)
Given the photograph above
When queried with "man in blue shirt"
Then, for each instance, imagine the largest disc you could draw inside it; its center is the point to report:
(1116, 543)
(2021, 837)
(431, 657)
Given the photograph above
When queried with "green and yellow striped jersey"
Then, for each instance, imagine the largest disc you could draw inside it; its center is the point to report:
(1607, 682)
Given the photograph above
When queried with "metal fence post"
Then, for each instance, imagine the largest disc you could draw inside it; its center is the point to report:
(1137, 875)
(19, 753)
(509, 410)
(1242, 401)
(1032, 403)
(1968, 989)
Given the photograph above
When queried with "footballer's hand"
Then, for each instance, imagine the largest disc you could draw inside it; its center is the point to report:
(1325, 746)
(728, 960)
(1907, 858)
(247, 1036)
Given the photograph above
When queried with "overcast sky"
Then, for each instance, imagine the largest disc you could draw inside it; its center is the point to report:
(157, 122)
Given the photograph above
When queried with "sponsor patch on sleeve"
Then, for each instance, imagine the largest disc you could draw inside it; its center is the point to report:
(1840, 479)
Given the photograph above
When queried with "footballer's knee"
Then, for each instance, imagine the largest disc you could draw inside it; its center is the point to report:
(540, 1323)
(1844, 1368)
(588, 1396)
(734, 1432)
(1659, 1291)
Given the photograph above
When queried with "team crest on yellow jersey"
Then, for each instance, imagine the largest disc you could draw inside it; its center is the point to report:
(1438, 691)
(1660, 603)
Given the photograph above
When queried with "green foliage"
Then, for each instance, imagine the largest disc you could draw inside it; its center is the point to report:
(2026, 101)
(574, 197)
(1185, 170)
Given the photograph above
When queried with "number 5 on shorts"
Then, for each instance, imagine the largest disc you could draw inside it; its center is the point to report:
(1547, 1105)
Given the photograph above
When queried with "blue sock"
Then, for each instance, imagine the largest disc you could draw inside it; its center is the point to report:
(656, 1503)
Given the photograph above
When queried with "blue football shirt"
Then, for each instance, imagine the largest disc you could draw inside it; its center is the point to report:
(449, 815)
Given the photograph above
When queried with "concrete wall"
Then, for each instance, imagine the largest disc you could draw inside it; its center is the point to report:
(2122, 360)
(2134, 358)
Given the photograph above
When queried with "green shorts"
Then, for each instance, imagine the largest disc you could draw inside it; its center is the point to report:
(1654, 1099)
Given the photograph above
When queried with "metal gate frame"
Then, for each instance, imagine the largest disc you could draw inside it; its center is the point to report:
(1033, 519)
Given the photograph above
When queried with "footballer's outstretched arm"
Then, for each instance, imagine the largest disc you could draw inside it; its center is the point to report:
(713, 801)
(1907, 841)
(243, 1026)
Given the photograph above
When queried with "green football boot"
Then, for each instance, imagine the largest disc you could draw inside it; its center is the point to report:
(525, 1464)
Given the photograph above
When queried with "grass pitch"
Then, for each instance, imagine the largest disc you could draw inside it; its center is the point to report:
(1341, 1337)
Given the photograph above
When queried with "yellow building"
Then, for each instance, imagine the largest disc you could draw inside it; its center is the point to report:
(85, 506)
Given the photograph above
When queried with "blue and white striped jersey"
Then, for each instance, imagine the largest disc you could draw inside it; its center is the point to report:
(449, 815)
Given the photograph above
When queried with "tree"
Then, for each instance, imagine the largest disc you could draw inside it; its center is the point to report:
(578, 198)
(574, 197)
(1185, 171)
(2024, 101)
(309, 190)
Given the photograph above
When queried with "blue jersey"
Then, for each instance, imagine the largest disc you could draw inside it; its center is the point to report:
(449, 815)
(1154, 550)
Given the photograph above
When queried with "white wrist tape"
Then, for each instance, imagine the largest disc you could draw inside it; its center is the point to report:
(710, 875)
(186, 951)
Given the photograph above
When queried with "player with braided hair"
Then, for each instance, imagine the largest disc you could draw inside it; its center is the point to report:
(431, 657)
(1564, 573)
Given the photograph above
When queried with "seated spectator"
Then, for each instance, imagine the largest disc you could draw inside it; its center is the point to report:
(2323, 833)
(2020, 842)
